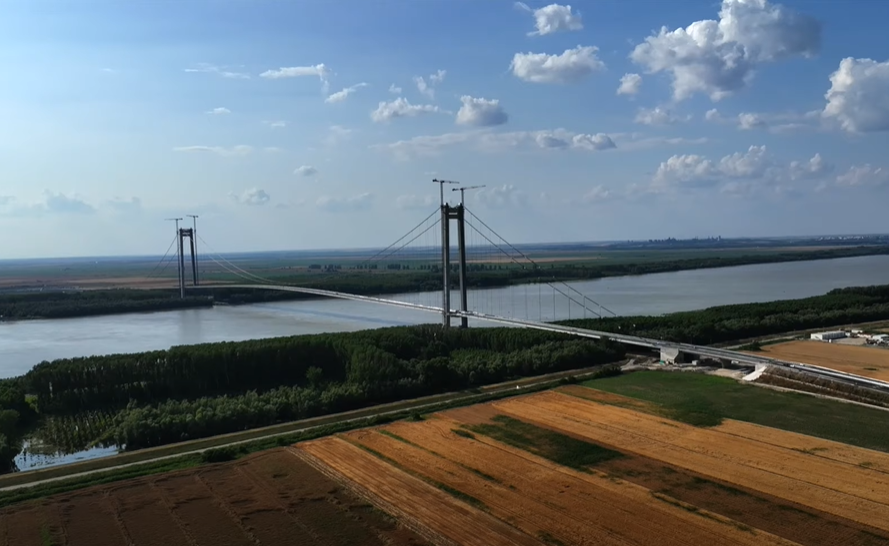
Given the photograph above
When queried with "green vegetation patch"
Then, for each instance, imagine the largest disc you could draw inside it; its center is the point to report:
(703, 399)
(549, 444)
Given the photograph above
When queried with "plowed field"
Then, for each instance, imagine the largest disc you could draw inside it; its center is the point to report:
(867, 361)
(465, 473)
(273, 498)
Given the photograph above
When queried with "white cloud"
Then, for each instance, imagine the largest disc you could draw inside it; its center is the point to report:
(597, 195)
(252, 197)
(340, 96)
(345, 204)
(571, 66)
(657, 116)
(499, 197)
(51, 203)
(713, 115)
(486, 141)
(336, 134)
(748, 121)
(858, 97)
(240, 150)
(65, 204)
(126, 206)
(411, 202)
(279, 124)
(553, 18)
(219, 111)
(629, 84)
(306, 170)
(718, 58)
(864, 175)
(738, 173)
(480, 112)
(400, 108)
(318, 70)
(814, 168)
(394, 89)
(426, 88)
(218, 70)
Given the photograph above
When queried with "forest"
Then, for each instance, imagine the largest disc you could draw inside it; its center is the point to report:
(47, 305)
(187, 392)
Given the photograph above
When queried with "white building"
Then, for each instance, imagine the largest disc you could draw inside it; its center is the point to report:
(827, 336)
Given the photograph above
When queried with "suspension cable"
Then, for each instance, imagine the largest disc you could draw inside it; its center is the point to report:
(496, 246)
(510, 245)
(158, 264)
(374, 257)
(243, 271)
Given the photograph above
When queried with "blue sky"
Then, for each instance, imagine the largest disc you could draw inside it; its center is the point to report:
(298, 125)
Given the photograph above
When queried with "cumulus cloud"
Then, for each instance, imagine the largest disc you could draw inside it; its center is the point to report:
(553, 18)
(400, 108)
(306, 170)
(345, 204)
(394, 89)
(718, 58)
(252, 197)
(486, 141)
(864, 175)
(748, 121)
(858, 98)
(657, 116)
(426, 86)
(336, 134)
(412, 202)
(737, 173)
(499, 197)
(279, 124)
(239, 150)
(713, 115)
(65, 204)
(342, 95)
(571, 66)
(816, 167)
(50, 203)
(219, 111)
(219, 71)
(131, 205)
(629, 84)
(480, 112)
(597, 195)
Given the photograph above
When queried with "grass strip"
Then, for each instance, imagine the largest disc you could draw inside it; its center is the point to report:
(555, 446)
(704, 400)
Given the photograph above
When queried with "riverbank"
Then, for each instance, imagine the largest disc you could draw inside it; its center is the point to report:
(70, 304)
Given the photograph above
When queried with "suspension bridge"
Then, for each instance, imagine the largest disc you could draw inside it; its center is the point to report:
(532, 302)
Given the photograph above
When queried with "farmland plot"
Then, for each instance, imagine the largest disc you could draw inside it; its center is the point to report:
(565, 470)
(867, 361)
(269, 499)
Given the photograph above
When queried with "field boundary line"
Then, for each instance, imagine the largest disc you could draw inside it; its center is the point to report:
(365, 493)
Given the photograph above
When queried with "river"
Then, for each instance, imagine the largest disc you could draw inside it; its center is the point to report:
(26, 343)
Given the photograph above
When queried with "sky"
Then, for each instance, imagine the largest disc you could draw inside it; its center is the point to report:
(321, 124)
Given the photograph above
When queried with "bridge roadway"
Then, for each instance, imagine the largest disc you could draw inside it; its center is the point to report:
(687, 348)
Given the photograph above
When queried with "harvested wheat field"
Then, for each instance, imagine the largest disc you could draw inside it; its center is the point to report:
(273, 498)
(860, 360)
(551, 468)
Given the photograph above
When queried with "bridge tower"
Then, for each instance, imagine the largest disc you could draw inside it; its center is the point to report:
(184, 233)
(448, 213)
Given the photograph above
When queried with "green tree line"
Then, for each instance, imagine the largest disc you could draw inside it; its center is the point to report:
(736, 322)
